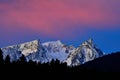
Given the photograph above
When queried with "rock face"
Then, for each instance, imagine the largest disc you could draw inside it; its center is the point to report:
(27, 49)
(45, 52)
(30, 47)
(84, 53)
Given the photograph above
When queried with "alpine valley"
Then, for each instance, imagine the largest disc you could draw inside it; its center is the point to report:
(45, 52)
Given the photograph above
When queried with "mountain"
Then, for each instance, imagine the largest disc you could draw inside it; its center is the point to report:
(84, 53)
(45, 52)
(57, 50)
(37, 51)
(32, 50)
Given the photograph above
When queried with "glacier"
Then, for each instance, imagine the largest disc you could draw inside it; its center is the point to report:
(45, 52)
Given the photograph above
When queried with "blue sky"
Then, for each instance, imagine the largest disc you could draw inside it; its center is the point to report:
(71, 21)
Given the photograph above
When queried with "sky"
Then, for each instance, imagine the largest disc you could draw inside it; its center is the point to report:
(71, 21)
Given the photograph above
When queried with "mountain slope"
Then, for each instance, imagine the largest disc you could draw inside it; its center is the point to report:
(40, 52)
(45, 52)
(32, 50)
(57, 50)
(107, 63)
(84, 53)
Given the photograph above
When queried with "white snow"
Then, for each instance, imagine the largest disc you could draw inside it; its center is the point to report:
(45, 52)
(86, 52)
(29, 47)
(56, 50)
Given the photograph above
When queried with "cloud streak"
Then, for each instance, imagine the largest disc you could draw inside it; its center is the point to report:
(53, 17)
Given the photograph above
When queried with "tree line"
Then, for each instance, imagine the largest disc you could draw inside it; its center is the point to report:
(55, 68)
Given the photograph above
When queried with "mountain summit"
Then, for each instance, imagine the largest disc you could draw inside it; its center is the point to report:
(45, 52)
(84, 53)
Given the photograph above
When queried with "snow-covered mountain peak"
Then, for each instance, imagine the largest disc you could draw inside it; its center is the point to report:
(84, 53)
(88, 42)
(15, 51)
(52, 43)
(58, 42)
(57, 50)
(45, 52)
(29, 47)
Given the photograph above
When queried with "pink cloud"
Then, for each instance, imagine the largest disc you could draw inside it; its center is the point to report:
(54, 17)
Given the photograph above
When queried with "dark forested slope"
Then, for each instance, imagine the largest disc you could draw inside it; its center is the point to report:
(101, 67)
